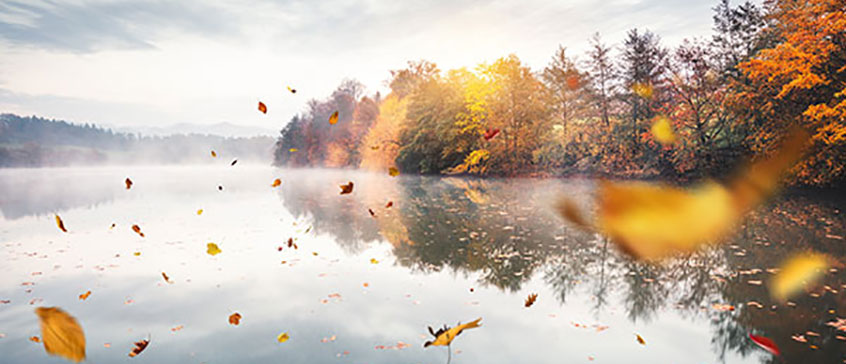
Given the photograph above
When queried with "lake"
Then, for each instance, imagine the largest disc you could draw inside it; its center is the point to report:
(362, 287)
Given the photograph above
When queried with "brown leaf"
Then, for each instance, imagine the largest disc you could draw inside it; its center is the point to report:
(389, 204)
(128, 183)
(213, 154)
(139, 347)
(137, 229)
(262, 107)
(61, 334)
(235, 319)
(371, 212)
(166, 278)
(60, 223)
(531, 299)
(347, 188)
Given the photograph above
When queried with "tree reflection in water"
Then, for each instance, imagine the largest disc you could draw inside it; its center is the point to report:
(505, 232)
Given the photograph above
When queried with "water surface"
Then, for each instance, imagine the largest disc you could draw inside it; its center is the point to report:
(448, 250)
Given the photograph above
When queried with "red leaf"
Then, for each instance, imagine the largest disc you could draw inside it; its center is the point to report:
(262, 107)
(490, 133)
(766, 344)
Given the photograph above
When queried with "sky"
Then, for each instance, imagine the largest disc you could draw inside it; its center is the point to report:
(158, 63)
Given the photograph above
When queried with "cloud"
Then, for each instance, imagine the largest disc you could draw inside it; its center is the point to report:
(95, 25)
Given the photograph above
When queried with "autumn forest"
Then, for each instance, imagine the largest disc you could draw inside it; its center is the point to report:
(724, 100)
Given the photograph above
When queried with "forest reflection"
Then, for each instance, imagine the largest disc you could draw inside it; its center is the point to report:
(506, 233)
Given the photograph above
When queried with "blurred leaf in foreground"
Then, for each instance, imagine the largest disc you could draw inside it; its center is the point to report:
(796, 272)
(61, 334)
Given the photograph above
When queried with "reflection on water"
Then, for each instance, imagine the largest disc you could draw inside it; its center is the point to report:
(440, 238)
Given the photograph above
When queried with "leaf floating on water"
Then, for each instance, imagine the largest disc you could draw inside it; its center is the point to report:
(213, 154)
(640, 340)
(112, 227)
(177, 328)
(235, 319)
(35, 339)
(84, 296)
(60, 224)
(662, 131)
(166, 278)
(347, 188)
(137, 254)
(334, 118)
(722, 307)
(766, 344)
(212, 249)
(199, 212)
(283, 337)
(220, 188)
(374, 261)
(128, 183)
(137, 230)
(654, 221)
(373, 214)
(389, 204)
(276, 183)
(531, 299)
(444, 336)
(262, 107)
(490, 133)
(292, 150)
(139, 347)
(393, 172)
(233, 162)
(798, 270)
(61, 334)
(293, 91)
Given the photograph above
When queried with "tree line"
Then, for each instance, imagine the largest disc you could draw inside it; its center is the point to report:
(728, 98)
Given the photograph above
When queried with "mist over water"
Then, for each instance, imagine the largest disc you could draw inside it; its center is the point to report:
(442, 237)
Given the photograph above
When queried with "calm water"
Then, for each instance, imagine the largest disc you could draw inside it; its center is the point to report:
(449, 250)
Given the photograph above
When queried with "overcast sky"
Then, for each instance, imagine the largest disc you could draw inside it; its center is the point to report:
(160, 63)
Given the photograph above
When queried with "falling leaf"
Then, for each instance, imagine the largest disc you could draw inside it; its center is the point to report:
(640, 339)
(293, 91)
(283, 337)
(766, 344)
(166, 278)
(374, 147)
(112, 227)
(139, 347)
(292, 150)
(373, 214)
(262, 107)
(347, 188)
(652, 221)
(490, 133)
(199, 212)
(374, 261)
(177, 328)
(334, 118)
(444, 336)
(235, 319)
(393, 172)
(276, 183)
(220, 188)
(35, 339)
(84, 296)
(568, 209)
(137, 230)
(233, 162)
(722, 307)
(61, 334)
(662, 131)
(128, 183)
(137, 254)
(213, 154)
(798, 270)
(643, 90)
(389, 204)
(531, 299)
(212, 249)
(60, 223)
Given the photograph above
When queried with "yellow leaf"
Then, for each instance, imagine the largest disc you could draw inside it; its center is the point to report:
(444, 337)
(61, 334)
(60, 224)
(137, 254)
(393, 172)
(796, 272)
(334, 118)
(212, 249)
(643, 90)
(200, 212)
(292, 150)
(662, 130)
(640, 340)
(283, 337)
(374, 261)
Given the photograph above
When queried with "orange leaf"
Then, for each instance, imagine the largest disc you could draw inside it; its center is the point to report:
(276, 183)
(61, 334)
(84, 296)
(531, 299)
(262, 107)
(334, 118)
(60, 223)
(128, 183)
(139, 347)
(137, 229)
(235, 318)
(347, 188)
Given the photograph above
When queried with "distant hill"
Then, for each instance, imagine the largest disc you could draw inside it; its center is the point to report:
(34, 142)
(220, 129)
